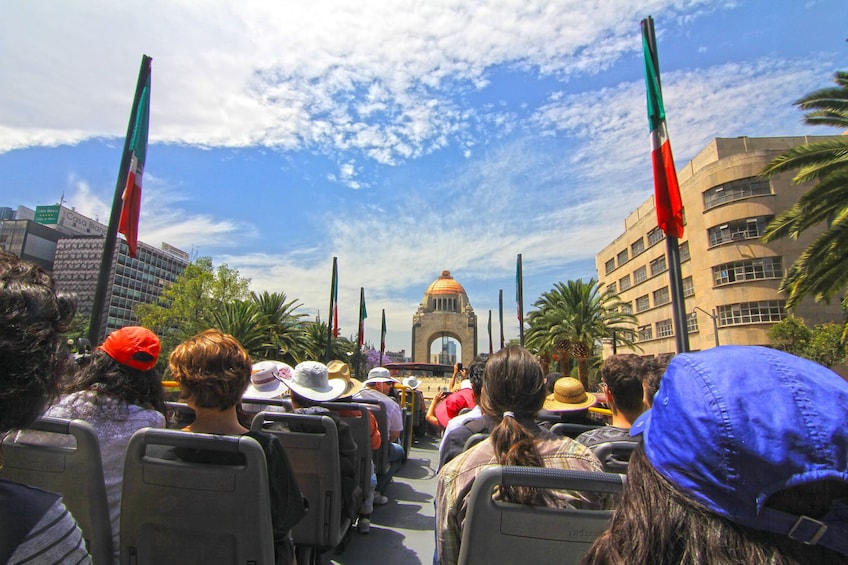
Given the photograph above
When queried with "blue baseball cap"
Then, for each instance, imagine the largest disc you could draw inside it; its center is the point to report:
(733, 425)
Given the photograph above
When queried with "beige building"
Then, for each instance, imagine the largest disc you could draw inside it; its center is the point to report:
(730, 278)
(444, 312)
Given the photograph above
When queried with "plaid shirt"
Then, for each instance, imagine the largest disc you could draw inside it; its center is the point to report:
(457, 477)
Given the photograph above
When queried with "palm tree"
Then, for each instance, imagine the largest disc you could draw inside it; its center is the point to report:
(573, 317)
(340, 348)
(287, 338)
(821, 269)
(243, 320)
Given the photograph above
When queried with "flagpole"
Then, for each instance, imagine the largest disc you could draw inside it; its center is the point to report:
(500, 315)
(333, 300)
(491, 348)
(678, 304)
(105, 271)
(519, 295)
(360, 363)
(382, 337)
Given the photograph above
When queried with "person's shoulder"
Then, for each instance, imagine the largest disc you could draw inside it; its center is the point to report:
(605, 434)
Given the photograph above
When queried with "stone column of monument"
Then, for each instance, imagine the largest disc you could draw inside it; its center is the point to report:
(444, 311)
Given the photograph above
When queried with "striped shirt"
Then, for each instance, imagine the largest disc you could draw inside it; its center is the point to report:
(56, 538)
(457, 477)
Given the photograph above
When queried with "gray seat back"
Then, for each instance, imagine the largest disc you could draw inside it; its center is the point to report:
(503, 532)
(67, 462)
(474, 439)
(314, 457)
(614, 455)
(571, 430)
(175, 511)
(381, 456)
(360, 427)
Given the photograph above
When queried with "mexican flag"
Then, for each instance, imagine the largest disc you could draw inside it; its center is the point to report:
(131, 207)
(666, 190)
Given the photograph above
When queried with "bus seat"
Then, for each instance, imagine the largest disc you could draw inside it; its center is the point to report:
(314, 457)
(381, 456)
(360, 427)
(184, 512)
(474, 439)
(69, 464)
(614, 455)
(571, 430)
(503, 532)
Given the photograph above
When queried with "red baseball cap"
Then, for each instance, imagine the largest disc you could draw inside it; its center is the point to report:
(121, 345)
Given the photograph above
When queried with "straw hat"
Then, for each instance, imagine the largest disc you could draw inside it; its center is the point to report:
(569, 395)
(266, 380)
(310, 380)
(340, 370)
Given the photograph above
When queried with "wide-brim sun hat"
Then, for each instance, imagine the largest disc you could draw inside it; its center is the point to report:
(733, 425)
(311, 380)
(380, 375)
(412, 382)
(569, 395)
(266, 380)
(340, 370)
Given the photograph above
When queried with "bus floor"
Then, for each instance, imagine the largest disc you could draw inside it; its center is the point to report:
(402, 531)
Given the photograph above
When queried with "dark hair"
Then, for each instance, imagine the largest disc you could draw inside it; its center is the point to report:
(513, 382)
(475, 374)
(104, 375)
(212, 368)
(31, 357)
(652, 375)
(623, 375)
(656, 522)
(550, 381)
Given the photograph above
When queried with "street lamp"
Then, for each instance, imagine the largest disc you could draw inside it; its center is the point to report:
(714, 318)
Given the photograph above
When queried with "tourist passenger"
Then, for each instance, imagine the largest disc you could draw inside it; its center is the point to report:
(36, 526)
(654, 369)
(266, 383)
(310, 385)
(568, 403)
(341, 370)
(377, 387)
(622, 377)
(213, 371)
(446, 406)
(513, 392)
(463, 426)
(118, 392)
(744, 460)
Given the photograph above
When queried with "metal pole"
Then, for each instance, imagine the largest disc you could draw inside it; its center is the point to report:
(715, 326)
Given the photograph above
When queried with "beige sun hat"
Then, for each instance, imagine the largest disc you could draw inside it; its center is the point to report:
(266, 380)
(311, 381)
(341, 370)
(569, 395)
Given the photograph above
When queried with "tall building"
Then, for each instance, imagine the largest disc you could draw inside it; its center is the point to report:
(132, 280)
(730, 278)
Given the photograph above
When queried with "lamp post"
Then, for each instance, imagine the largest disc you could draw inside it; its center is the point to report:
(714, 318)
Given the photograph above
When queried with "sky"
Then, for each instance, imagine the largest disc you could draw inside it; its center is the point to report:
(403, 137)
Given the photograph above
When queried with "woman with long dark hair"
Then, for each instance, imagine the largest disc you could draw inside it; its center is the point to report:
(35, 526)
(512, 395)
(118, 392)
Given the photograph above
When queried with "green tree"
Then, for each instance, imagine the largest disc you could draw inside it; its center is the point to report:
(244, 321)
(825, 346)
(820, 271)
(287, 339)
(572, 318)
(340, 348)
(186, 305)
(791, 335)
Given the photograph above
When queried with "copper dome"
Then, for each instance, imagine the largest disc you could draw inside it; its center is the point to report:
(445, 284)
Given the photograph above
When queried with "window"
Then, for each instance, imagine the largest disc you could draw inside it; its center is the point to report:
(611, 288)
(665, 328)
(645, 333)
(640, 275)
(751, 312)
(735, 190)
(684, 251)
(661, 296)
(622, 257)
(655, 236)
(738, 230)
(764, 268)
(642, 303)
(688, 287)
(609, 266)
(692, 323)
(626, 308)
(658, 265)
(624, 282)
(637, 247)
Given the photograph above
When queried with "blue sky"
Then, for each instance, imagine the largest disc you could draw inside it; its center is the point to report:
(404, 137)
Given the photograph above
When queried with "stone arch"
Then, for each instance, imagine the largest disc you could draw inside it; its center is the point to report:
(444, 310)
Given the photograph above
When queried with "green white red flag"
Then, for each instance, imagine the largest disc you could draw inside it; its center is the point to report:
(362, 315)
(131, 206)
(666, 190)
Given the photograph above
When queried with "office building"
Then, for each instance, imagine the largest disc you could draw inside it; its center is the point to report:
(730, 278)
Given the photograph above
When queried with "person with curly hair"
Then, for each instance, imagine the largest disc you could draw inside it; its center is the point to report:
(213, 371)
(118, 392)
(512, 395)
(34, 524)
